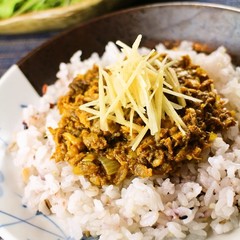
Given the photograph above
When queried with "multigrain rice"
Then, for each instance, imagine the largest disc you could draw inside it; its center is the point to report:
(201, 199)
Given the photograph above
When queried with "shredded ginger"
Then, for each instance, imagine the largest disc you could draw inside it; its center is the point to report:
(140, 83)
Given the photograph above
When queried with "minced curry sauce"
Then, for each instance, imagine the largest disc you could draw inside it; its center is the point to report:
(107, 157)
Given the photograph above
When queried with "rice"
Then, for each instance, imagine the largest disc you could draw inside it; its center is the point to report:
(201, 199)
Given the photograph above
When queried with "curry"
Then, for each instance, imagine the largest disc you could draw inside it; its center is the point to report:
(107, 156)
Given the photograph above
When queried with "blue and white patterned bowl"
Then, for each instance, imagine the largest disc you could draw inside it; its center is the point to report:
(210, 24)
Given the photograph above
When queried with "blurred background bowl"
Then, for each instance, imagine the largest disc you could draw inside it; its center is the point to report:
(60, 17)
(207, 25)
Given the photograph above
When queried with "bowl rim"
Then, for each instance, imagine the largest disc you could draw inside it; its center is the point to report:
(121, 12)
(29, 63)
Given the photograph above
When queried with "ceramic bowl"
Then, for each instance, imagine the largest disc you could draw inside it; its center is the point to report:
(208, 26)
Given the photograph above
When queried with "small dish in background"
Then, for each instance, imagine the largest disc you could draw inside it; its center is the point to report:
(60, 17)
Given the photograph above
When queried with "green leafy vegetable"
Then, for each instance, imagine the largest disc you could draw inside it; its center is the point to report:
(7, 7)
(10, 8)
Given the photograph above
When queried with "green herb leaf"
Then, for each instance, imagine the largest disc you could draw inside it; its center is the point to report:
(9, 8)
